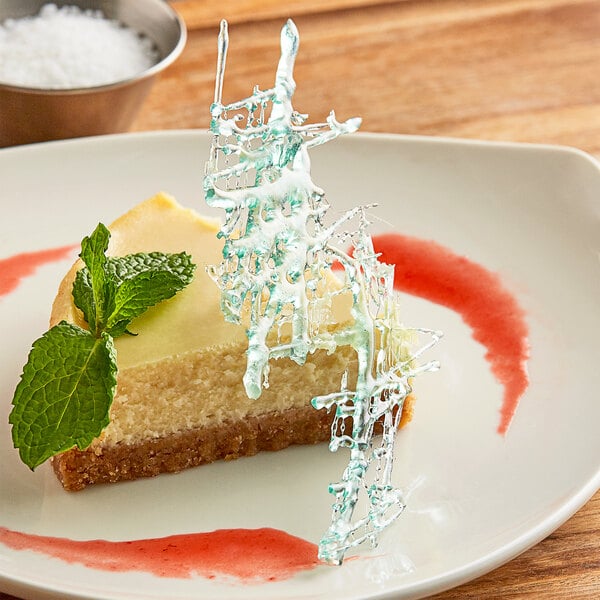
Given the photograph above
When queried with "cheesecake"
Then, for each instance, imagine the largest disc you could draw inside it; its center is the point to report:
(180, 399)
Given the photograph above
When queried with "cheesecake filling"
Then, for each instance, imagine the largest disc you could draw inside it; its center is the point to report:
(184, 368)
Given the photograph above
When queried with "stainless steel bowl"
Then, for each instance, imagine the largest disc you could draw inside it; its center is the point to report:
(33, 115)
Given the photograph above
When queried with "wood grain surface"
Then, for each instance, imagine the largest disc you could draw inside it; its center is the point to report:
(516, 70)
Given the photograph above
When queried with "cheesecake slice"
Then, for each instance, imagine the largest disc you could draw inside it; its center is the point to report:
(180, 398)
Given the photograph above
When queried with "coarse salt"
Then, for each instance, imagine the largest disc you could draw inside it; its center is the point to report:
(67, 47)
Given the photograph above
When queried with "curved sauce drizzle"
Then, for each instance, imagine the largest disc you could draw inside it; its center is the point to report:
(15, 268)
(423, 268)
(431, 271)
(249, 555)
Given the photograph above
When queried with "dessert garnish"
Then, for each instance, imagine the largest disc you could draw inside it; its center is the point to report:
(278, 252)
(65, 392)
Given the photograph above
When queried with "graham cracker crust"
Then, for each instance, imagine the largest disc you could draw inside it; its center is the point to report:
(77, 469)
(172, 453)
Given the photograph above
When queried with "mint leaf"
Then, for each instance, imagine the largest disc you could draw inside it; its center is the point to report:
(94, 289)
(83, 296)
(122, 268)
(65, 392)
(145, 280)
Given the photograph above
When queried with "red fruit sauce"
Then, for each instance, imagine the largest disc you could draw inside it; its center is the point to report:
(15, 268)
(429, 270)
(250, 555)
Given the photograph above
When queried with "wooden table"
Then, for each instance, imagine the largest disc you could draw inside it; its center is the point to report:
(518, 70)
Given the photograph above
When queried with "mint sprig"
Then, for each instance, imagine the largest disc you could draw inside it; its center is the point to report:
(64, 395)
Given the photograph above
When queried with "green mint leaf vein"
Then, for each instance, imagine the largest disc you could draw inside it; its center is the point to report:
(65, 392)
(68, 384)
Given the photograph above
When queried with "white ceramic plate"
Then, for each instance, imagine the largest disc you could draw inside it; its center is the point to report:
(475, 499)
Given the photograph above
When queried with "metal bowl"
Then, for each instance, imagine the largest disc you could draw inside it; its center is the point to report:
(34, 114)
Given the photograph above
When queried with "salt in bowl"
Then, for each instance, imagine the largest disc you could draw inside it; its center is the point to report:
(33, 114)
